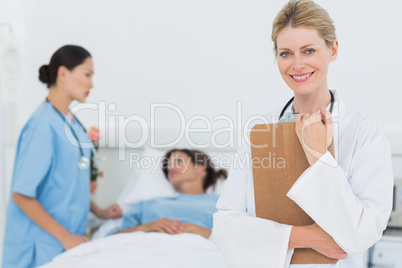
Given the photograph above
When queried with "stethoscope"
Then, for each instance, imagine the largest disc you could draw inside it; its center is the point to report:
(291, 100)
(84, 161)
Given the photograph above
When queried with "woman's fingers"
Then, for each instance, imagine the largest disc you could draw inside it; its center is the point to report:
(342, 255)
(300, 119)
(170, 229)
(113, 212)
(169, 226)
(74, 240)
(175, 226)
(322, 242)
(329, 125)
(314, 117)
(315, 132)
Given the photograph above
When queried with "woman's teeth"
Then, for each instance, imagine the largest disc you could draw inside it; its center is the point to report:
(302, 77)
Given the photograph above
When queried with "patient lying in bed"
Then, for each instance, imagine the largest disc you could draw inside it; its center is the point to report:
(191, 173)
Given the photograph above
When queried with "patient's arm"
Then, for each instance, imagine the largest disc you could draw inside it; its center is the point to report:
(163, 225)
(196, 229)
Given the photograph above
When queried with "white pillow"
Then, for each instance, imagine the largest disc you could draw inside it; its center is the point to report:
(149, 182)
(144, 184)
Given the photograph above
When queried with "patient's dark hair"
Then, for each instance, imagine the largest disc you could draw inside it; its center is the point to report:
(69, 56)
(198, 158)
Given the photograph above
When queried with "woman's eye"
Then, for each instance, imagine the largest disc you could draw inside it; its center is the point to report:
(309, 51)
(88, 75)
(284, 54)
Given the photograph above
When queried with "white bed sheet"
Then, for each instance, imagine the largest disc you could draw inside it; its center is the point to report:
(140, 249)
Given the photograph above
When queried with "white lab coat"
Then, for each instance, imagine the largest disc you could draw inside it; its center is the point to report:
(350, 198)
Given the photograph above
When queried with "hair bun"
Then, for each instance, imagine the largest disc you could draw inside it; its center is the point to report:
(44, 75)
(222, 174)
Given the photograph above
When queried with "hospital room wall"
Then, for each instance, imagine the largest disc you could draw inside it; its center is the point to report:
(12, 13)
(202, 57)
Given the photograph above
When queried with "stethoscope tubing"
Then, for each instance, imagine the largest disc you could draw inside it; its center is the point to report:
(291, 100)
(84, 162)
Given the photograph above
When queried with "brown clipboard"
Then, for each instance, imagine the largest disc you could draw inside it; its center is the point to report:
(276, 167)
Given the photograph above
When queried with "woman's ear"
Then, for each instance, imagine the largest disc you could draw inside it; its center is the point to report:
(62, 73)
(200, 168)
(334, 50)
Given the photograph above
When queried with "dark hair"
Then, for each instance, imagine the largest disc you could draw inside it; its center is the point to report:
(68, 56)
(198, 158)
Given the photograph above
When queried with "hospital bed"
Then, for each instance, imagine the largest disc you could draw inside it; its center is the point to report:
(140, 249)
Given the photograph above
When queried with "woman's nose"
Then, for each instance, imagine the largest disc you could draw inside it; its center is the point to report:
(170, 167)
(298, 63)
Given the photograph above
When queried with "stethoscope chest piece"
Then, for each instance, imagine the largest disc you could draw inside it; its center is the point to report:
(83, 163)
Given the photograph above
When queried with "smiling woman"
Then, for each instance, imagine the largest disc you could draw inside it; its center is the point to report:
(303, 61)
(349, 196)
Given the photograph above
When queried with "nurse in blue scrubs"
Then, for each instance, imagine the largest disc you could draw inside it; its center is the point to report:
(50, 196)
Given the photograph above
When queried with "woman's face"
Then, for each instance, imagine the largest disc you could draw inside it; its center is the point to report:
(79, 80)
(303, 59)
(181, 169)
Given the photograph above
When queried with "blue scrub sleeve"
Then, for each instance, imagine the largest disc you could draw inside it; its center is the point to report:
(131, 219)
(33, 158)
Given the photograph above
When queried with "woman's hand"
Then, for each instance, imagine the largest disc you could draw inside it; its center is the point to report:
(34, 210)
(94, 134)
(111, 212)
(196, 229)
(313, 236)
(315, 133)
(93, 186)
(163, 225)
(71, 241)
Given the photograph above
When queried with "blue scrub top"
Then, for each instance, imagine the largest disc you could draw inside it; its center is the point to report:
(188, 208)
(46, 168)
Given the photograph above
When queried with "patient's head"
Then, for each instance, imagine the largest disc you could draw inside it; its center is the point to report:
(190, 171)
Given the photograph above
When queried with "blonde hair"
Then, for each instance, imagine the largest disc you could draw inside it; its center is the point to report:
(304, 13)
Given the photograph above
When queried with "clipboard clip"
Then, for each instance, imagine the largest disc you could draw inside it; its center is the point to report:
(287, 118)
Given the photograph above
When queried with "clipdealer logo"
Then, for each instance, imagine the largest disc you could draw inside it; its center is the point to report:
(236, 131)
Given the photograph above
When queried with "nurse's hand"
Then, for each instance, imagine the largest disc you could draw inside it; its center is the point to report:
(111, 212)
(313, 236)
(315, 133)
(71, 241)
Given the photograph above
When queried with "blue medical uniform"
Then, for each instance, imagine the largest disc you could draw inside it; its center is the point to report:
(46, 168)
(188, 208)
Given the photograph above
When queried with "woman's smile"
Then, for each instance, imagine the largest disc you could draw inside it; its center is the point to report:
(303, 59)
(301, 77)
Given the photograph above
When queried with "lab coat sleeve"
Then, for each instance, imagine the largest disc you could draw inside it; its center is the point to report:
(352, 207)
(33, 158)
(243, 239)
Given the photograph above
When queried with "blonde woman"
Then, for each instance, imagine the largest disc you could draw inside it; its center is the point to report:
(349, 196)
